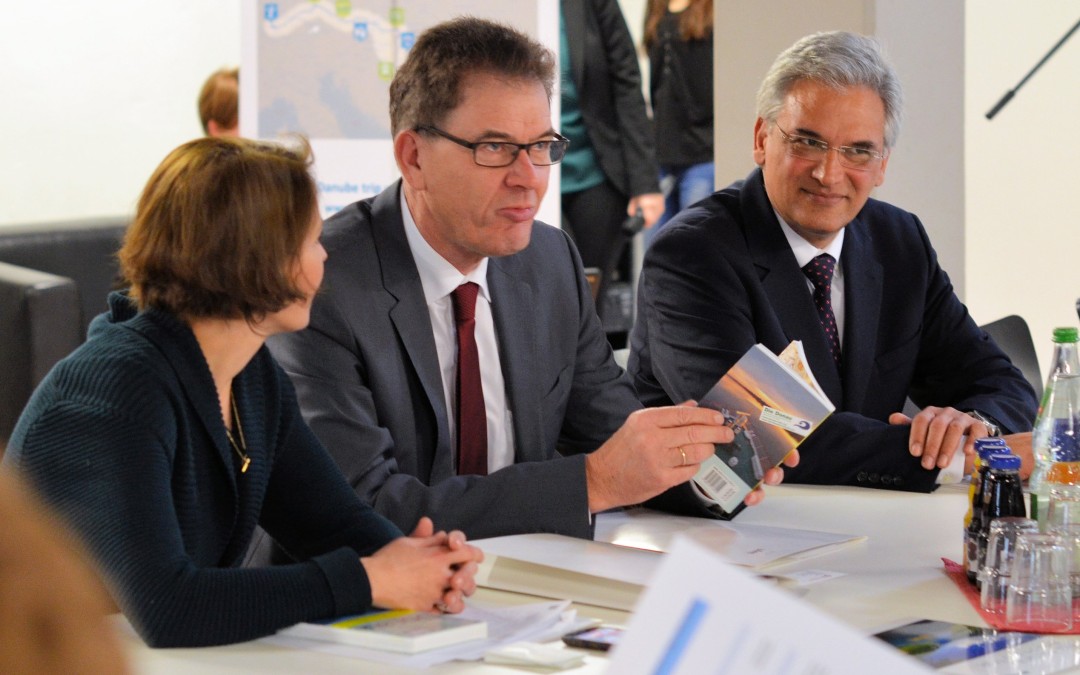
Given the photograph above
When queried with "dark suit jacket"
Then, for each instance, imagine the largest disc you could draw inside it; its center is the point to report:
(608, 82)
(367, 376)
(721, 276)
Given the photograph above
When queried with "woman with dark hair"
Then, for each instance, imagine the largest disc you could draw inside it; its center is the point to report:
(168, 436)
(679, 41)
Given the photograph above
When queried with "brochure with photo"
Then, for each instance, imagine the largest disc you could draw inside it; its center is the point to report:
(940, 643)
(772, 403)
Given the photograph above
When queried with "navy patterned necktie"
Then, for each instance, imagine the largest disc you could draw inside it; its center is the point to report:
(471, 412)
(820, 273)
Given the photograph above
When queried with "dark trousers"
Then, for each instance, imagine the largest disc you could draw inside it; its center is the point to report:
(594, 219)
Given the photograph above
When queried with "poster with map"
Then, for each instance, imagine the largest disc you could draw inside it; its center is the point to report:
(322, 68)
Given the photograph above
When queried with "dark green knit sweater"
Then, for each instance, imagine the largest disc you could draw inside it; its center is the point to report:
(125, 438)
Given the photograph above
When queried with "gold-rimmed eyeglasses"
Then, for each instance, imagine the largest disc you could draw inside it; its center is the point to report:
(815, 149)
(503, 153)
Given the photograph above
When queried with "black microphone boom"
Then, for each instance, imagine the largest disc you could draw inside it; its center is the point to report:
(1012, 92)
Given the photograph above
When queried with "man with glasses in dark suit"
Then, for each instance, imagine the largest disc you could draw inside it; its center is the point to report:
(799, 251)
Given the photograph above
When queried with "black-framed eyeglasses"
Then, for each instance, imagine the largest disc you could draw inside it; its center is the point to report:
(815, 149)
(503, 153)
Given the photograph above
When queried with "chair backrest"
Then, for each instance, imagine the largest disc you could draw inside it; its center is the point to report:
(82, 250)
(39, 325)
(1013, 336)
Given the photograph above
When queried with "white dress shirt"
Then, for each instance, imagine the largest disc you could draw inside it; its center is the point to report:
(439, 279)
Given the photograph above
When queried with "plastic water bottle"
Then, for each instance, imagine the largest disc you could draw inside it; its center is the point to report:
(1056, 438)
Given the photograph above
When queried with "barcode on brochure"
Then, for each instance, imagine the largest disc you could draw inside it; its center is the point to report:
(718, 486)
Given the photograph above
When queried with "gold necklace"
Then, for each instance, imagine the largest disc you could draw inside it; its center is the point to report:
(241, 450)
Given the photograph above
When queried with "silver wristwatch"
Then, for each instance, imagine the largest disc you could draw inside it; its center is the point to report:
(992, 428)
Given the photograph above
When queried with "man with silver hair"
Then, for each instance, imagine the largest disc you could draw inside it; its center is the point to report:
(799, 251)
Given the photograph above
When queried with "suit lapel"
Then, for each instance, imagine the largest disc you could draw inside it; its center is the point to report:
(573, 15)
(511, 300)
(409, 315)
(785, 285)
(862, 310)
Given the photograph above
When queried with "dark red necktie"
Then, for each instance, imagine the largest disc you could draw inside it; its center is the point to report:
(471, 414)
(820, 273)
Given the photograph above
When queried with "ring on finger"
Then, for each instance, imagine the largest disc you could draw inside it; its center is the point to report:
(683, 453)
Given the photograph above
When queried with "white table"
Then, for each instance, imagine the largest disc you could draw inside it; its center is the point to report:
(257, 657)
(897, 573)
(894, 576)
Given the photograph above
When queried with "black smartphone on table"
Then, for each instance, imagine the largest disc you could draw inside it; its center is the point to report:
(601, 638)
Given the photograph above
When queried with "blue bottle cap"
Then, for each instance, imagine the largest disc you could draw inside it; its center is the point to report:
(985, 449)
(1004, 462)
(991, 443)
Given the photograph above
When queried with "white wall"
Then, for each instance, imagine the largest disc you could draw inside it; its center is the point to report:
(1023, 231)
(96, 93)
(924, 40)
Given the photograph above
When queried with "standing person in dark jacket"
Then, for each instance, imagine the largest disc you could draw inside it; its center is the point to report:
(679, 40)
(168, 436)
(610, 170)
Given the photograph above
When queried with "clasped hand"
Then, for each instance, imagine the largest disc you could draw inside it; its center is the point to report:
(427, 571)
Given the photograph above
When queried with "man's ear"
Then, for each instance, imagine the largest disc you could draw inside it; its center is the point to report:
(761, 131)
(408, 153)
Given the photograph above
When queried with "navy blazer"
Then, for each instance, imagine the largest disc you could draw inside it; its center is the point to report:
(367, 376)
(721, 277)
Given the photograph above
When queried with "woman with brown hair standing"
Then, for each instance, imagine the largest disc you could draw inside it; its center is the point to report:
(679, 41)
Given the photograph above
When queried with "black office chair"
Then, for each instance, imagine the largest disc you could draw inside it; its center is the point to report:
(1013, 336)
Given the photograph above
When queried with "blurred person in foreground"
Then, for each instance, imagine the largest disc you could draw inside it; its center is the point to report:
(168, 436)
(799, 251)
(52, 604)
(558, 435)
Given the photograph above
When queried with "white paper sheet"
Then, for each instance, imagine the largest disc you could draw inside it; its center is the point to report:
(702, 616)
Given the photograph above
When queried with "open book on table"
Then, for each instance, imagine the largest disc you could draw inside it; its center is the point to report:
(612, 571)
(772, 403)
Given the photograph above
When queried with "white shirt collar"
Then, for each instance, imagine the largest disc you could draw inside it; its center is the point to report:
(805, 251)
(438, 277)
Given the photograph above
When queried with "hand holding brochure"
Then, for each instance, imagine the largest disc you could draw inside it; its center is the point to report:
(772, 403)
